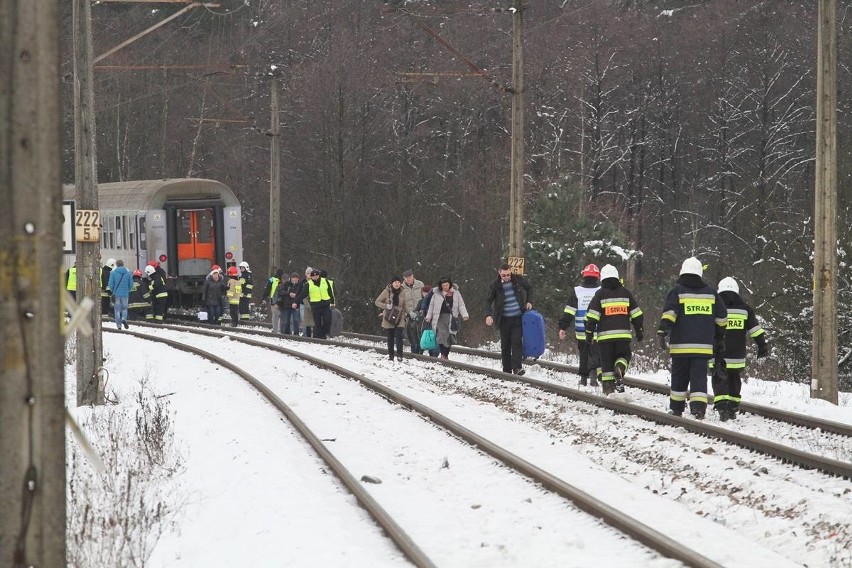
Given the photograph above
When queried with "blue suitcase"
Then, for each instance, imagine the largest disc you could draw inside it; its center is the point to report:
(534, 336)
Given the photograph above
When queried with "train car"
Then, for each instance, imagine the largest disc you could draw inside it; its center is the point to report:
(186, 225)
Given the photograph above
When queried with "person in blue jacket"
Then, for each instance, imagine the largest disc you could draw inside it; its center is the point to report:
(119, 285)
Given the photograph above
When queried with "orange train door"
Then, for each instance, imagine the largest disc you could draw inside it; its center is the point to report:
(196, 235)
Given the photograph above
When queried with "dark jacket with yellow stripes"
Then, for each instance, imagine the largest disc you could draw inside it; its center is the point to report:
(742, 324)
(612, 312)
(695, 318)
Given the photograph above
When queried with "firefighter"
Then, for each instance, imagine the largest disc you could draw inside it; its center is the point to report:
(106, 270)
(611, 313)
(247, 285)
(159, 293)
(139, 306)
(574, 316)
(742, 323)
(234, 294)
(694, 318)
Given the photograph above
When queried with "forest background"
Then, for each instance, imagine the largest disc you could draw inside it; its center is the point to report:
(653, 131)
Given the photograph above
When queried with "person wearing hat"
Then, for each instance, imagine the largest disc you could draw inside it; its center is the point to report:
(288, 291)
(411, 288)
(395, 309)
(742, 324)
(574, 318)
(692, 327)
(422, 309)
(247, 286)
(611, 313)
(139, 301)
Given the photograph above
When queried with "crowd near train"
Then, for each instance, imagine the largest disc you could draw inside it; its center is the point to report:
(179, 241)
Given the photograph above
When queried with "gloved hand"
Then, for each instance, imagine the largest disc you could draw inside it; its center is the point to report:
(412, 315)
(720, 370)
(590, 337)
(719, 347)
(639, 336)
(762, 351)
(664, 343)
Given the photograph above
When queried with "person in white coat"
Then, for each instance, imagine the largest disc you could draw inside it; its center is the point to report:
(445, 312)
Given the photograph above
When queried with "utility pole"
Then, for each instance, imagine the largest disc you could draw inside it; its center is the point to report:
(824, 357)
(32, 388)
(89, 348)
(516, 186)
(274, 182)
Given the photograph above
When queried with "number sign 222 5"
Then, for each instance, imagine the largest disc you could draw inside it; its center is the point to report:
(88, 226)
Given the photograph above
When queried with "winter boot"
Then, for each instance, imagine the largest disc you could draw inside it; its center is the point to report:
(583, 381)
(607, 387)
(593, 378)
(619, 378)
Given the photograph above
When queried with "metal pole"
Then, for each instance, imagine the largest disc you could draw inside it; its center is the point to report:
(274, 183)
(32, 395)
(516, 187)
(824, 358)
(89, 348)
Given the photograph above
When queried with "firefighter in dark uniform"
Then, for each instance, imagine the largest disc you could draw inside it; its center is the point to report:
(694, 321)
(160, 296)
(247, 284)
(106, 270)
(742, 324)
(611, 313)
(574, 318)
(139, 302)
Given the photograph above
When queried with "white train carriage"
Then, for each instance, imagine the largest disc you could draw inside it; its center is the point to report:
(186, 225)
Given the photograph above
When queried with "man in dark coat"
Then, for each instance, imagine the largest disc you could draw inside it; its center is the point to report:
(509, 296)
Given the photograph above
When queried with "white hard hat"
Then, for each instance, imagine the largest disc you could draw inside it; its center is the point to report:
(243, 264)
(692, 266)
(728, 284)
(609, 271)
(149, 270)
(110, 262)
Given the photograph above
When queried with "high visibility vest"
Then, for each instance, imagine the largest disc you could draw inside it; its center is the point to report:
(234, 293)
(71, 285)
(318, 292)
(275, 282)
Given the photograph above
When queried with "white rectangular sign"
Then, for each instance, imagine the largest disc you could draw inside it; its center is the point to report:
(69, 245)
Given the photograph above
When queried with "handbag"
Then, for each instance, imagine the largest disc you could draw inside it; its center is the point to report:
(428, 341)
(393, 314)
(455, 325)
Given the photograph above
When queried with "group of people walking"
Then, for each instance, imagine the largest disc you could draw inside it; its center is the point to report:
(701, 328)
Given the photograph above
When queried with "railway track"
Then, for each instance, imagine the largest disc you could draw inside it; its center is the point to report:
(780, 451)
(648, 536)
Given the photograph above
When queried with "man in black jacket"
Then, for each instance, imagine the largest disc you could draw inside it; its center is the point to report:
(509, 296)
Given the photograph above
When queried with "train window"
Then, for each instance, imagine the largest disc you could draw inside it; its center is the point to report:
(119, 241)
(109, 232)
(205, 226)
(184, 227)
(131, 232)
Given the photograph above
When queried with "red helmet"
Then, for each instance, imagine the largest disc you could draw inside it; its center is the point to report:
(232, 271)
(592, 270)
(215, 267)
(153, 263)
(137, 272)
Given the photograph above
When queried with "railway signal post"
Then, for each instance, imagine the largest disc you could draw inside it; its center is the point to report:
(32, 389)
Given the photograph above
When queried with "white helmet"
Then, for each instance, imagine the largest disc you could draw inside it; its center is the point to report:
(728, 284)
(692, 266)
(149, 270)
(609, 271)
(110, 262)
(243, 264)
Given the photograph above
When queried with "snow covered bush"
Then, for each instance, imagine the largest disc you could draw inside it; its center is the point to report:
(116, 517)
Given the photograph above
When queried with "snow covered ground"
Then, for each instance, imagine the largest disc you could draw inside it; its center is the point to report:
(255, 495)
